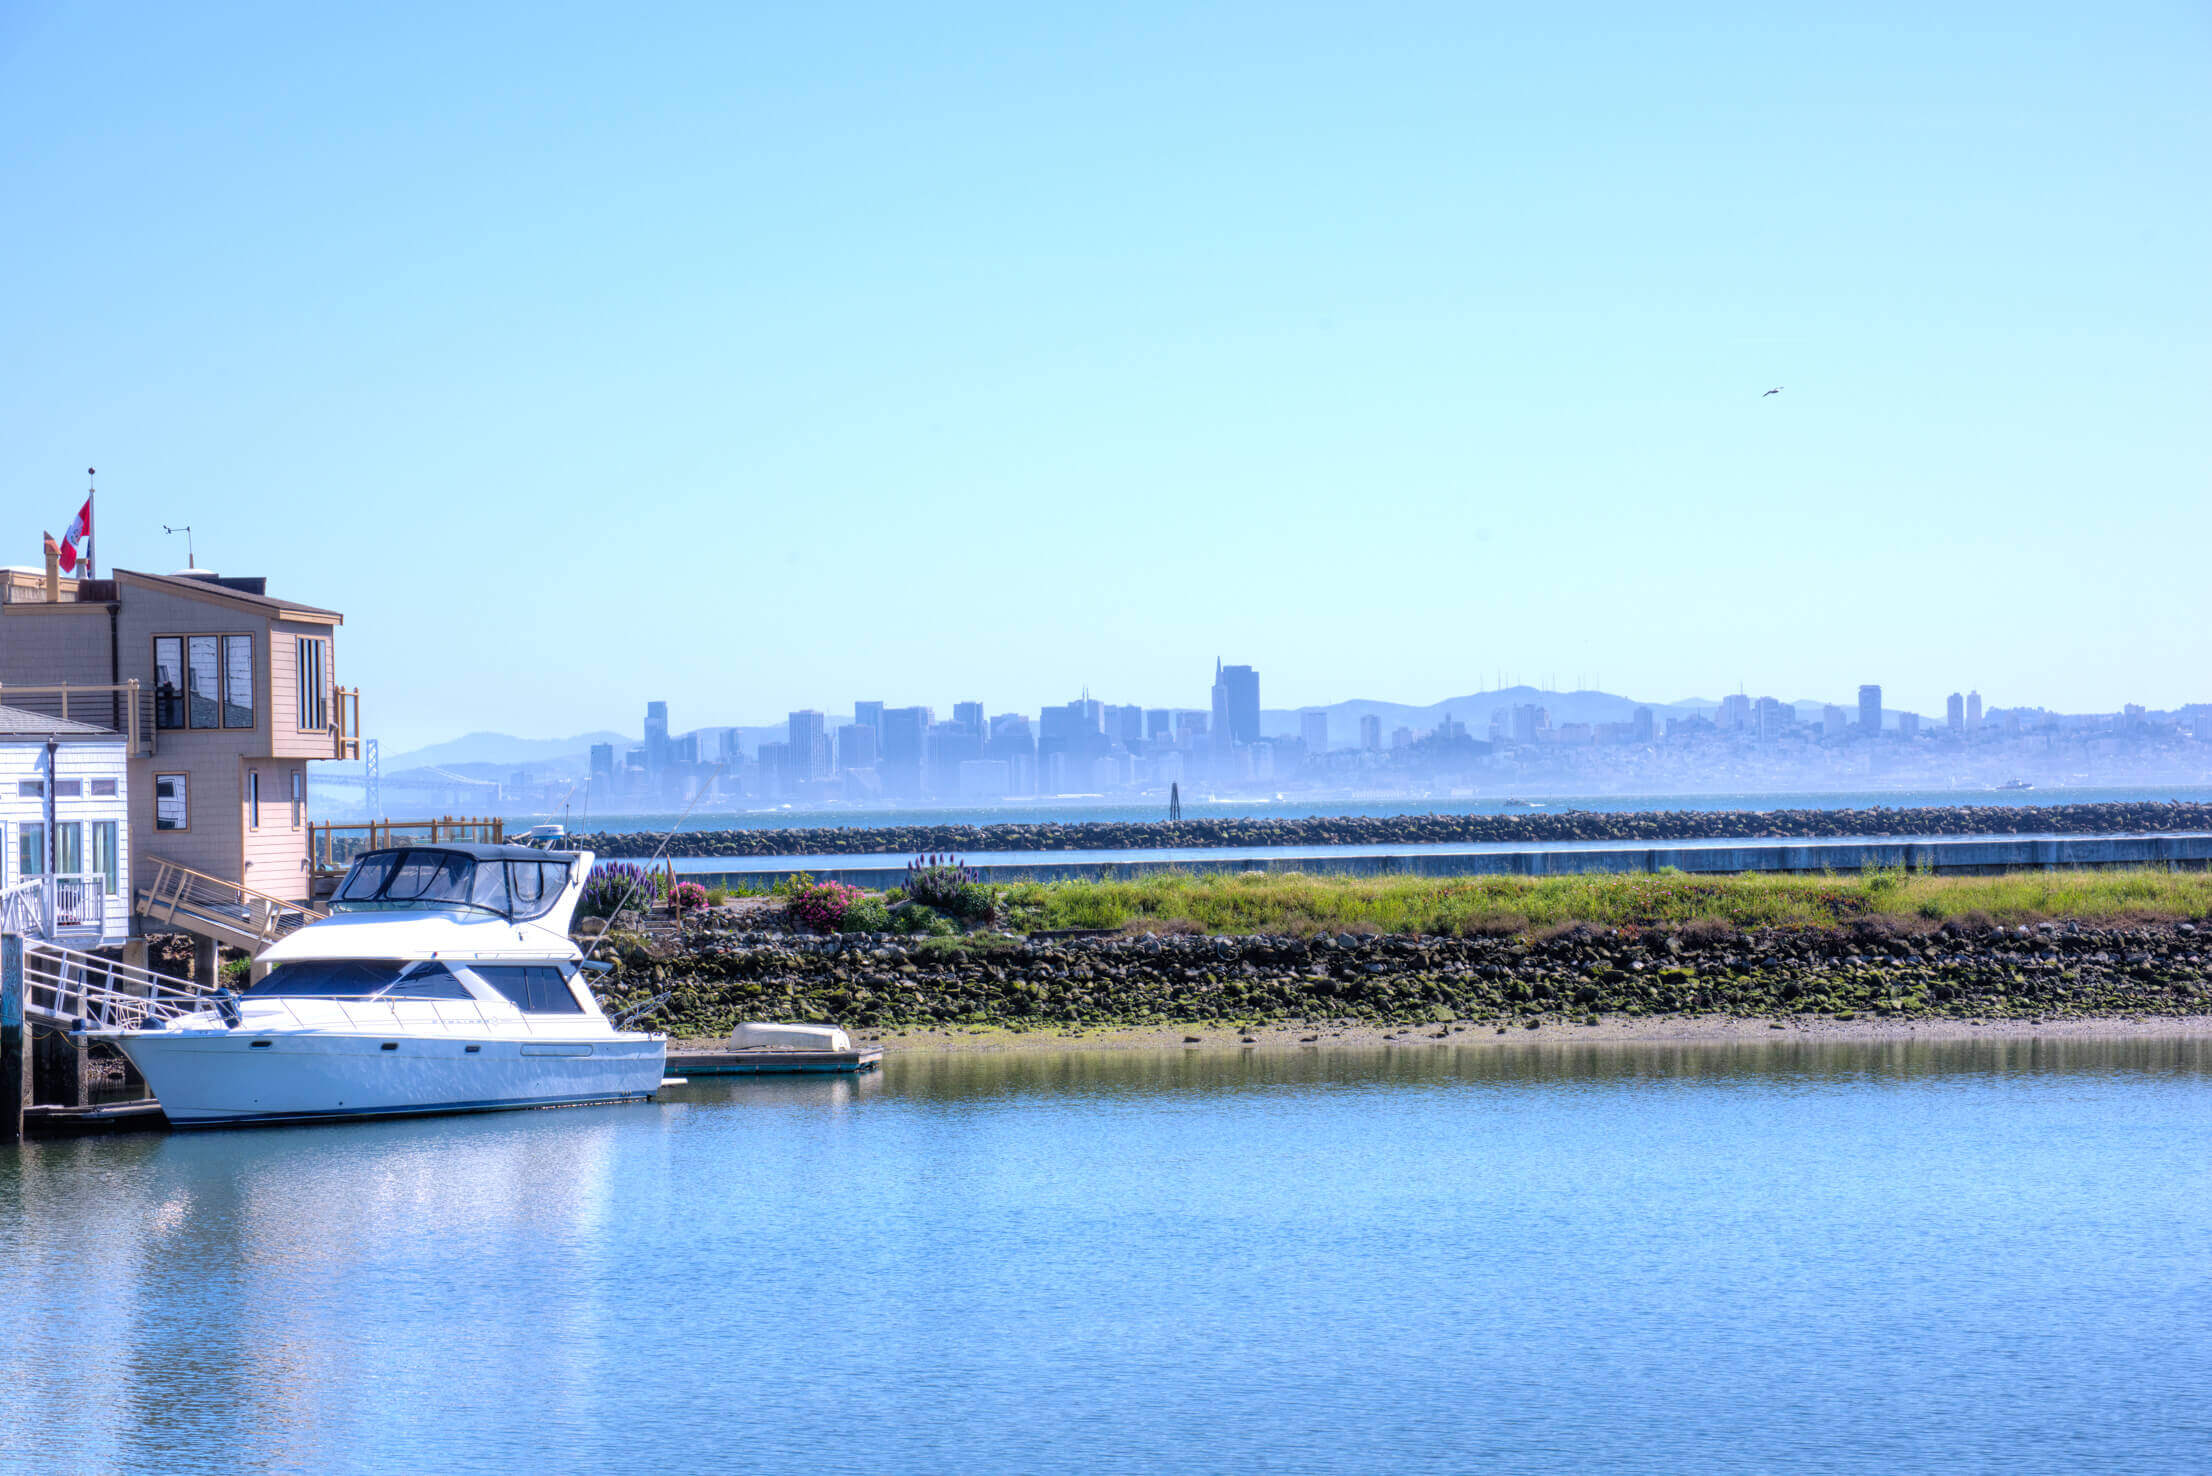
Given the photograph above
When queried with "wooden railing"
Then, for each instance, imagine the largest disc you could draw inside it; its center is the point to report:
(117, 706)
(226, 911)
(345, 723)
(332, 844)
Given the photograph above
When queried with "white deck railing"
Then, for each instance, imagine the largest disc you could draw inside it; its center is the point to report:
(52, 907)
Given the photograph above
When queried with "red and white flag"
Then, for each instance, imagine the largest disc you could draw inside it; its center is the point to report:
(78, 531)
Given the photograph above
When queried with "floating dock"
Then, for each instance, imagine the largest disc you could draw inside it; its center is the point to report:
(771, 1063)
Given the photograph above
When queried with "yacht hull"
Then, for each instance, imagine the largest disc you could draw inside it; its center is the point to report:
(215, 1078)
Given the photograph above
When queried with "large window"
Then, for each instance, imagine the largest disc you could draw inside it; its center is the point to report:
(168, 681)
(535, 989)
(170, 809)
(203, 681)
(103, 854)
(314, 680)
(253, 799)
(69, 848)
(30, 852)
(237, 681)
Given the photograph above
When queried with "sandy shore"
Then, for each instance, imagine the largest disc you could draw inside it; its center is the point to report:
(1664, 1030)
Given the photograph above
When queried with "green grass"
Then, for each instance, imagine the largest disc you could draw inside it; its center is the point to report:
(1293, 902)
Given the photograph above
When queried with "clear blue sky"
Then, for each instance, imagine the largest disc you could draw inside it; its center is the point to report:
(760, 360)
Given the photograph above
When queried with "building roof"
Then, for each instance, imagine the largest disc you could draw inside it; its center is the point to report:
(17, 722)
(207, 589)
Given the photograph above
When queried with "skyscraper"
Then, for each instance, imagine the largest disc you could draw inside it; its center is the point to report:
(1313, 727)
(1236, 704)
(1870, 710)
(856, 746)
(1370, 732)
(602, 762)
(1973, 712)
(809, 757)
(970, 716)
(656, 737)
(1954, 712)
(869, 715)
(901, 749)
(1640, 726)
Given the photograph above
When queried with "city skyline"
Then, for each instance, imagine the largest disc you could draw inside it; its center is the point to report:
(1366, 346)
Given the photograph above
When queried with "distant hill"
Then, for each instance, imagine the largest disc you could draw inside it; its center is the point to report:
(503, 750)
(1474, 710)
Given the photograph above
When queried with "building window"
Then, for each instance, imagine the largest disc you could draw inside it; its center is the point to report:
(299, 798)
(103, 853)
(69, 848)
(168, 681)
(238, 681)
(314, 679)
(30, 849)
(204, 692)
(103, 789)
(68, 789)
(170, 809)
(253, 799)
(30, 788)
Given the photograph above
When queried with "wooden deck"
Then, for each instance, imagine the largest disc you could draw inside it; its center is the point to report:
(771, 1063)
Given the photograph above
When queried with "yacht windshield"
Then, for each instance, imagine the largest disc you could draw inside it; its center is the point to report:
(431, 879)
(360, 978)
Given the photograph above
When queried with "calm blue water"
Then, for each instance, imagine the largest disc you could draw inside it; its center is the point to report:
(1872, 1258)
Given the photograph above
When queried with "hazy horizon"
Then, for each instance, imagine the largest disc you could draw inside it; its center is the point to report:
(582, 359)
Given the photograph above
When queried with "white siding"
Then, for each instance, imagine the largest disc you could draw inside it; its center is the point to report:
(80, 759)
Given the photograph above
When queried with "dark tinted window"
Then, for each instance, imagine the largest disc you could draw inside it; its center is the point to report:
(429, 981)
(328, 978)
(535, 989)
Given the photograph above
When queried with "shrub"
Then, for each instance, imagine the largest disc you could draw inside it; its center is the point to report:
(687, 896)
(716, 896)
(918, 919)
(868, 915)
(943, 884)
(609, 883)
(822, 906)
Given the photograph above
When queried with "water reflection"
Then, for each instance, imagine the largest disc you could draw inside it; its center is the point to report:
(1778, 1255)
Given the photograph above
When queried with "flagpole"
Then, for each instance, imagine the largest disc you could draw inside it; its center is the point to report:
(92, 534)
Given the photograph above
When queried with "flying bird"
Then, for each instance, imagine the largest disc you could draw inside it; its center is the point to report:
(1775, 391)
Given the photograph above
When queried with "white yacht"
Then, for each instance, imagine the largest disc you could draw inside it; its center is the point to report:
(443, 981)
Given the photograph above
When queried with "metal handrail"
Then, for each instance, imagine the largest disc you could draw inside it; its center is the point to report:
(61, 984)
(47, 906)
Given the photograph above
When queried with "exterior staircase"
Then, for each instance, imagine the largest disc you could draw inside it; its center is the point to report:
(227, 911)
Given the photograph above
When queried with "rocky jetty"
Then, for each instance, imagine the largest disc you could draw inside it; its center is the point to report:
(1366, 830)
(1875, 967)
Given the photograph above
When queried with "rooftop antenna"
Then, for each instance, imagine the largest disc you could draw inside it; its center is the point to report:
(189, 561)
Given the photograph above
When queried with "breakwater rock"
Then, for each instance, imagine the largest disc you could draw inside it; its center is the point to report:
(1367, 830)
(1877, 967)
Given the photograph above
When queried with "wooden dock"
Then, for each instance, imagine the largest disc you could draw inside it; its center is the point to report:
(771, 1063)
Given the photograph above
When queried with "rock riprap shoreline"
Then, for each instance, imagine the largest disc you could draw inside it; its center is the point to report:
(1874, 969)
(1368, 830)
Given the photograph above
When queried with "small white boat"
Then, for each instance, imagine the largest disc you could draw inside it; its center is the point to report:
(443, 981)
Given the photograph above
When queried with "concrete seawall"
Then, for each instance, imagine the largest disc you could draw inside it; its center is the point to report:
(1968, 856)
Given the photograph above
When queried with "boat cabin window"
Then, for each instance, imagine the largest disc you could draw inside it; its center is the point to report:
(536, 989)
(426, 878)
(360, 978)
